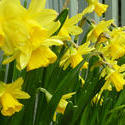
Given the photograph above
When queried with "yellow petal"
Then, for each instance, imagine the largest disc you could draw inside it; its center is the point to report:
(52, 27)
(74, 30)
(64, 60)
(75, 60)
(64, 34)
(122, 68)
(45, 17)
(118, 81)
(74, 20)
(13, 7)
(12, 1)
(84, 48)
(2, 88)
(36, 5)
(2, 36)
(10, 59)
(51, 42)
(85, 65)
(18, 94)
(69, 95)
(54, 117)
(67, 58)
(41, 57)
(37, 35)
(20, 36)
(102, 27)
(82, 80)
(7, 47)
(15, 89)
(67, 63)
(98, 29)
(17, 84)
(61, 106)
(89, 9)
(22, 60)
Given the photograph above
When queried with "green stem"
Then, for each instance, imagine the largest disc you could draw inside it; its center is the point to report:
(25, 4)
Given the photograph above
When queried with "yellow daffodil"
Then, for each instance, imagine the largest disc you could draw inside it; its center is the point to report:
(28, 34)
(118, 32)
(73, 56)
(62, 103)
(117, 79)
(116, 47)
(69, 27)
(95, 5)
(113, 75)
(98, 29)
(9, 93)
(97, 98)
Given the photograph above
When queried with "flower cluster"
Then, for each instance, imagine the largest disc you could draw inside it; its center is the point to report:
(28, 34)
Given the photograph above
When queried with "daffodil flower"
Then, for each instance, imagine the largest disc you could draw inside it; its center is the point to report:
(9, 93)
(73, 56)
(114, 76)
(69, 27)
(115, 48)
(98, 29)
(28, 34)
(62, 103)
(95, 5)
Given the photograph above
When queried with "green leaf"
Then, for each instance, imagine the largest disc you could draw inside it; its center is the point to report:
(67, 117)
(92, 85)
(62, 18)
(63, 87)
